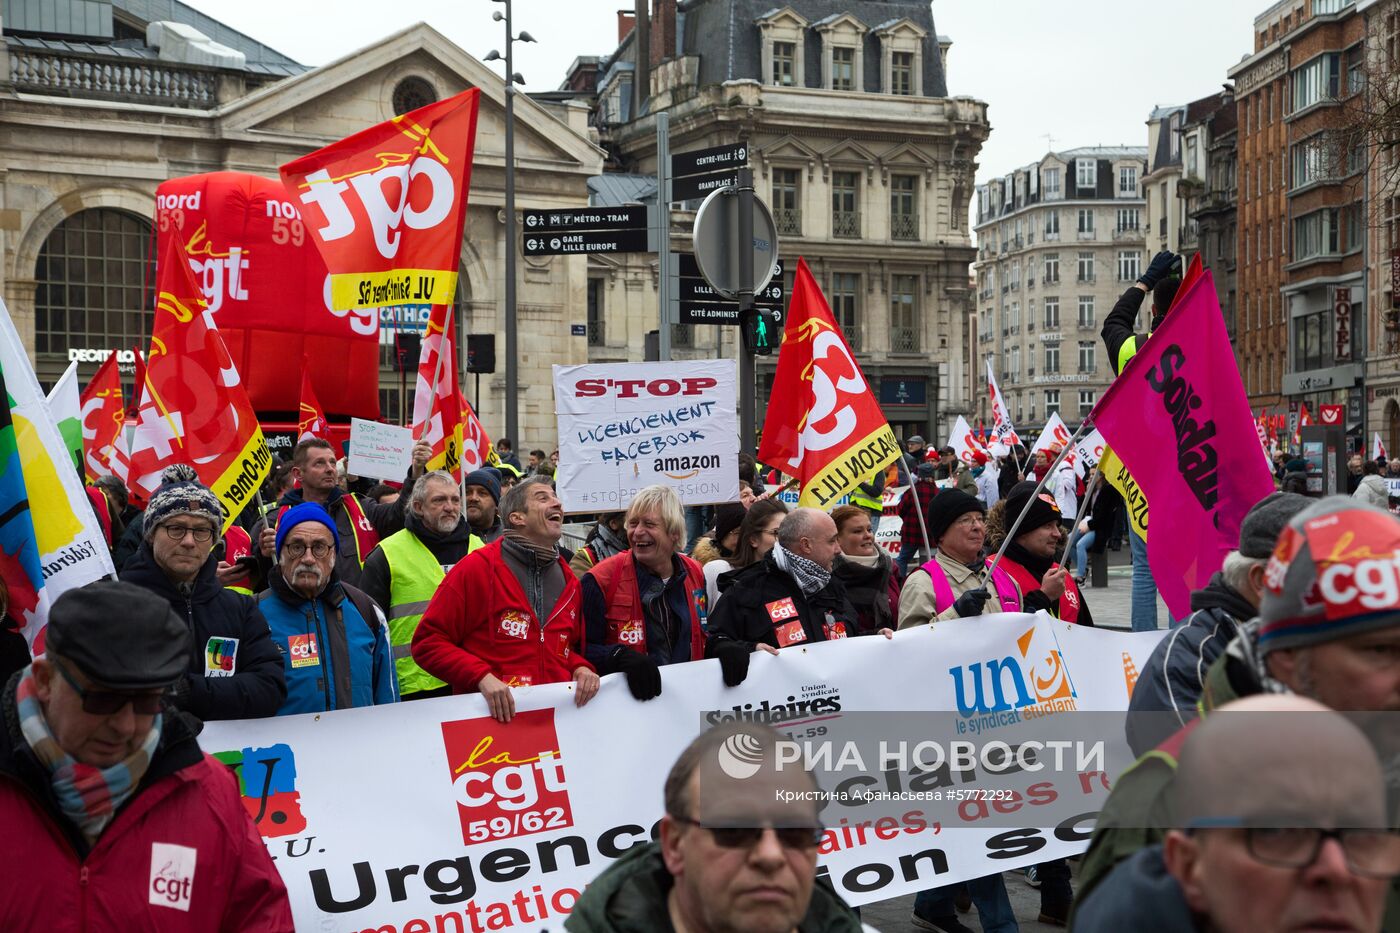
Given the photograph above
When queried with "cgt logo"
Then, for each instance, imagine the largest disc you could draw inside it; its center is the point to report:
(1030, 683)
(507, 780)
(1358, 563)
(267, 779)
(172, 875)
(407, 191)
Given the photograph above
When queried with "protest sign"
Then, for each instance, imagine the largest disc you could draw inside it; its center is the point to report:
(501, 826)
(267, 288)
(626, 426)
(386, 206)
(824, 425)
(379, 451)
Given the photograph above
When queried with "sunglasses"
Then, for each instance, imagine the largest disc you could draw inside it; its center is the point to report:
(746, 837)
(105, 702)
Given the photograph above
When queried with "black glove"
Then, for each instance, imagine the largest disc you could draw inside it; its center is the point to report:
(733, 661)
(970, 603)
(643, 676)
(1157, 269)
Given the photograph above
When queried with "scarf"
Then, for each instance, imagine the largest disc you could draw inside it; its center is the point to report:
(809, 575)
(1245, 647)
(88, 796)
(536, 562)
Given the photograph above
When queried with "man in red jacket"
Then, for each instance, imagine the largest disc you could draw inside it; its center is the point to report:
(114, 819)
(509, 614)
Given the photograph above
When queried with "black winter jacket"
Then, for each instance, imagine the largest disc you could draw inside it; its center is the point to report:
(256, 686)
(745, 610)
(1118, 326)
(1174, 676)
(446, 549)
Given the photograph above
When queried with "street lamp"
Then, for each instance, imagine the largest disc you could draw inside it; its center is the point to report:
(512, 353)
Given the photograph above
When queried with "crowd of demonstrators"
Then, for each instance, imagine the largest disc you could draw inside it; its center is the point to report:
(333, 639)
(509, 614)
(758, 532)
(916, 500)
(953, 583)
(505, 452)
(1327, 642)
(1173, 678)
(98, 776)
(405, 569)
(646, 607)
(866, 571)
(360, 524)
(233, 667)
(606, 538)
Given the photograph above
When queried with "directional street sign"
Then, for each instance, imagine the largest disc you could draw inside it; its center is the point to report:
(700, 291)
(718, 312)
(696, 173)
(592, 241)
(592, 218)
(701, 304)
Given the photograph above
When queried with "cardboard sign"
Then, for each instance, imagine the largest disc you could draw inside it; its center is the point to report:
(380, 451)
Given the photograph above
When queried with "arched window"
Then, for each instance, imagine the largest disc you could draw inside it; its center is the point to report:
(89, 277)
(411, 93)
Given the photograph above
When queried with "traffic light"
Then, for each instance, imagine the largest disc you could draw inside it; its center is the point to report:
(759, 327)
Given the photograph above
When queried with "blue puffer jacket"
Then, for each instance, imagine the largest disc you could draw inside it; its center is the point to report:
(335, 648)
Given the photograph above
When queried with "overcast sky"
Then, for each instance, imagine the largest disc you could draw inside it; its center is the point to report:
(1085, 72)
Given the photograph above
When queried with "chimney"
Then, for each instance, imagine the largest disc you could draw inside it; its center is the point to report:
(663, 31)
(626, 19)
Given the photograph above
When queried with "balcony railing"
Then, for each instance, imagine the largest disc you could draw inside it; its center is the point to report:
(788, 221)
(845, 224)
(904, 226)
(597, 334)
(136, 82)
(904, 340)
(1052, 235)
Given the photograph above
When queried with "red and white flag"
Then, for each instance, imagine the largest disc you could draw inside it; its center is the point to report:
(824, 425)
(193, 408)
(965, 443)
(103, 418)
(1377, 448)
(1003, 432)
(311, 419)
(437, 399)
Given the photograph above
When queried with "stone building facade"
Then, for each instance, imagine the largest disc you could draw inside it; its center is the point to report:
(1057, 242)
(92, 119)
(865, 161)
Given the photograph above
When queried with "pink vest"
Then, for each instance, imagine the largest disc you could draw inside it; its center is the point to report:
(1002, 585)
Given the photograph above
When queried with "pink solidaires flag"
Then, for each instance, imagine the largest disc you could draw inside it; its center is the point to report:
(1175, 416)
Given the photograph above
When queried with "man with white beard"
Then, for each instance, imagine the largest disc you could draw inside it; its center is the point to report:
(333, 639)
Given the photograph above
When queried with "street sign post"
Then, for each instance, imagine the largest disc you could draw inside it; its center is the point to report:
(585, 230)
(630, 216)
(562, 243)
(697, 173)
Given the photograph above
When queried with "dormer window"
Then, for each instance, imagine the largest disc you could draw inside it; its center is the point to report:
(843, 57)
(843, 68)
(902, 73)
(783, 32)
(901, 57)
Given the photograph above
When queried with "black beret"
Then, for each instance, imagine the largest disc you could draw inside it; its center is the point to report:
(119, 635)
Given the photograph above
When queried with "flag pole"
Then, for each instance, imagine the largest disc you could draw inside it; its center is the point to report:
(1088, 491)
(1011, 532)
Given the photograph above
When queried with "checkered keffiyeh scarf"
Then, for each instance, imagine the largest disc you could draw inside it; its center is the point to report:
(87, 795)
(809, 575)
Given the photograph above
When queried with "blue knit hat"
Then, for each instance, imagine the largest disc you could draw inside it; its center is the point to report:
(306, 512)
(487, 479)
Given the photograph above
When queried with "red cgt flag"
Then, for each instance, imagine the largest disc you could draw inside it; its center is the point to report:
(193, 409)
(311, 418)
(104, 414)
(824, 425)
(476, 443)
(386, 206)
(437, 401)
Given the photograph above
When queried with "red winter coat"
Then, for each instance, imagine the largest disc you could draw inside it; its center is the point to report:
(479, 622)
(190, 808)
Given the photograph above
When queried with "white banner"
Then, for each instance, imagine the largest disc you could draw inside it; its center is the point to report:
(626, 426)
(420, 815)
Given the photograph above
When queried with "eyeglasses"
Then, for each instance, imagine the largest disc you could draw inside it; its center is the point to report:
(746, 837)
(1371, 853)
(177, 533)
(766, 531)
(297, 548)
(971, 520)
(105, 703)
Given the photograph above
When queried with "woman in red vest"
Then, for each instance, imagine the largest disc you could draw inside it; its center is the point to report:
(646, 607)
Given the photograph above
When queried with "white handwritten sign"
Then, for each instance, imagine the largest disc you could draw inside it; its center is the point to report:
(380, 451)
(626, 426)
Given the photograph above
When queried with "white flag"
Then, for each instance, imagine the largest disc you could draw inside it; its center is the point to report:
(964, 442)
(1003, 433)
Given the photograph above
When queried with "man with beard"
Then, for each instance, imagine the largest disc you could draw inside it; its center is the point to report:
(402, 574)
(509, 615)
(334, 651)
(482, 493)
